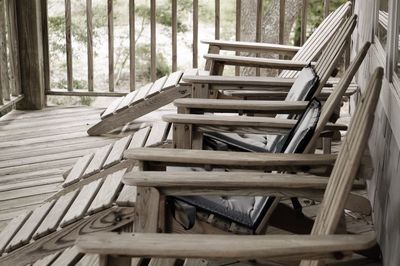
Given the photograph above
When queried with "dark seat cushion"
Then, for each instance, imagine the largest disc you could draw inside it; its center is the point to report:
(248, 211)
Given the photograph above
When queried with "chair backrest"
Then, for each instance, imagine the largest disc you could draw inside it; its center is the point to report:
(348, 160)
(334, 99)
(301, 90)
(323, 69)
(303, 131)
(312, 48)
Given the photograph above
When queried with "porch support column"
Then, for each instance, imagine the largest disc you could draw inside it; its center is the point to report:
(30, 37)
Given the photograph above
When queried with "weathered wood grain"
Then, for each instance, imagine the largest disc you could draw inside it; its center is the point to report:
(53, 218)
(78, 170)
(104, 221)
(117, 151)
(81, 203)
(108, 192)
(11, 229)
(98, 161)
(24, 235)
(222, 246)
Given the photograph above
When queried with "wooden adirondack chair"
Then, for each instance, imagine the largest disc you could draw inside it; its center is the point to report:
(322, 243)
(93, 198)
(185, 123)
(326, 112)
(163, 91)
(93, 192)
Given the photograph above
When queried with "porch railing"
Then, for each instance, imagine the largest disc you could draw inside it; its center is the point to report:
(91, 87)
(10, 86)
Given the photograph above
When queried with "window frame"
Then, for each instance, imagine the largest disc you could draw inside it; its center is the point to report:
(393, 40)
(389, 54)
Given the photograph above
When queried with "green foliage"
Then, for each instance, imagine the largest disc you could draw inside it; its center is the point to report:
(87, 100)
(142, 59)
(315, 16)
(163, 15)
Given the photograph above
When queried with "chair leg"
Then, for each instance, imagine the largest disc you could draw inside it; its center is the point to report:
(327, 145)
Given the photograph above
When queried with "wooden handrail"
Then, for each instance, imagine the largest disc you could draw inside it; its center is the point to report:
(153, 37)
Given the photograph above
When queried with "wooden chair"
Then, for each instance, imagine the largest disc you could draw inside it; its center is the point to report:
(104, 204)
(165, 90)
(186, 123)
(93, 198)
(322, 243)
(309, 144)
(108, 159)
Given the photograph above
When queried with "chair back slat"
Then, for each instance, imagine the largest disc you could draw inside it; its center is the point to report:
(333, 52)
(347, 163)
(334, 99)
(348, 160)
(317, 41)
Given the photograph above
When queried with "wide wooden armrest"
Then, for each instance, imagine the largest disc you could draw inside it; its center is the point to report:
(215, 179)
(261, 125)
(221, 246)
(253, 47)
(256, 62)
(229, 183)
(240, 81)
(228, 158)
(218, 105)
(229, 120)
(278, 92)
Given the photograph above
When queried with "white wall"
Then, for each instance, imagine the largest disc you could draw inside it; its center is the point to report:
(384, 187)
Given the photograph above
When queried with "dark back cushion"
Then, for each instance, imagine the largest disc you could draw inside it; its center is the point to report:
(302, 132)
(302, 89)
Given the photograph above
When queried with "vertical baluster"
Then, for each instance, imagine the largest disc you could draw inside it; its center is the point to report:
(132, 45)
(303, 22)
(68, 43)
(3, 53)
(110, 15)
(174, 35)
(13, 42)
(153, 40)
(46, 57)
(326, 7)
(89, 19)
(238, 25)
(195, 32)
(282, 4)
(259, 27)
(217, 18)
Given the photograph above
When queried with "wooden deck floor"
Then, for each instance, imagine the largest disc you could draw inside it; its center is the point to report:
(36, 147)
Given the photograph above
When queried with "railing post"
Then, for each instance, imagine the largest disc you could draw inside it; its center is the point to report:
(303, 22)
(30, 36)
(45, 35)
